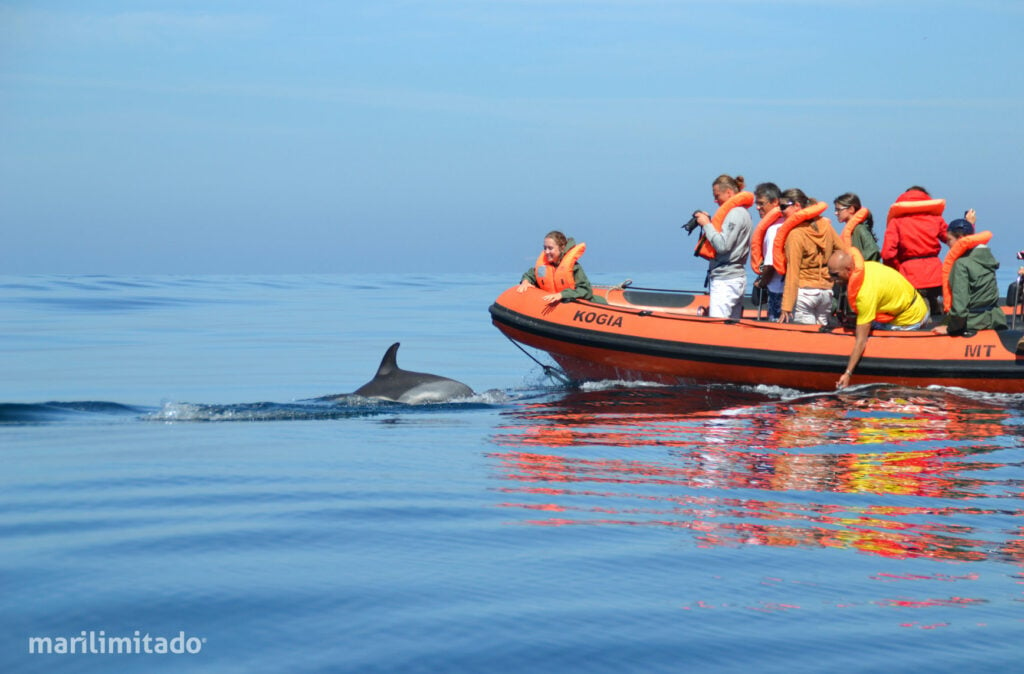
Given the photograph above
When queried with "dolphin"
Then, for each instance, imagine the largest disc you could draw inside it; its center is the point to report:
(393, 383)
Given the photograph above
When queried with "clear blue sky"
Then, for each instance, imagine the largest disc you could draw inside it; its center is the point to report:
(249, 136)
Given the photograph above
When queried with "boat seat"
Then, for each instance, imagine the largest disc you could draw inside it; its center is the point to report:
(655, 298)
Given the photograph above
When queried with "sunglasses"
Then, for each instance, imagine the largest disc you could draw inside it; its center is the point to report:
(783, 205)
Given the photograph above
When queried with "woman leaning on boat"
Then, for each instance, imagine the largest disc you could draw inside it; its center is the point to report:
(557, 270)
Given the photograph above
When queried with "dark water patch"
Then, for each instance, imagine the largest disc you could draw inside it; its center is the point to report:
(110, 304)
(51, 412)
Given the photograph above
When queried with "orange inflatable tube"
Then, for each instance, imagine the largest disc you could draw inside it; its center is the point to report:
(741, 200)
(807, 214)
(847, 236)
(556, 279)
(962, 245)
(757, 239)
(923, 207)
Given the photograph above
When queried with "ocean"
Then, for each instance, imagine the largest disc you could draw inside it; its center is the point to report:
(177, 495)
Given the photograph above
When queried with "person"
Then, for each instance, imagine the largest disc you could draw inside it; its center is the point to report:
(802, 249)
(762, 240)
(914, 234)
(558, 272)
(860, 226)
(725, 244)
(882, 298)
(970, 292)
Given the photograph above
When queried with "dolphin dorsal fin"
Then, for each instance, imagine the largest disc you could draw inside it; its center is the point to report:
(389, 363)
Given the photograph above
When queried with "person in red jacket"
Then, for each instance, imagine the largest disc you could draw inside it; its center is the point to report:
(914, 236)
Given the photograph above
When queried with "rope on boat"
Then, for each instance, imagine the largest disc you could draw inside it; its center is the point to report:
(550, 370)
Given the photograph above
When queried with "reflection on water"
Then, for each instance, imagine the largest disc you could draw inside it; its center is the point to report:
(892, 472)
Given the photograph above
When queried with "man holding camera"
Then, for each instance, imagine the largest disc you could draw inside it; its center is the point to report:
(725, 244)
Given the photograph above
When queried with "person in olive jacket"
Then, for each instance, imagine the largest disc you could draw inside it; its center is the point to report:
(972, 283)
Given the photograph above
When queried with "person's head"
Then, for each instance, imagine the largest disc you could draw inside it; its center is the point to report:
(793, 200)
(918, 188)
(725, 186)
(766, 197)
(846, 205)
(554, 246)
(840, 266)
(958, 229)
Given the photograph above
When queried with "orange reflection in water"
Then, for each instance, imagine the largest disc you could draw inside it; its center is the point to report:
(772, 473)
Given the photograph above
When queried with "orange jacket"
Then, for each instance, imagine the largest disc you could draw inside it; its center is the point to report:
(556, 279)
(757, 238)
(740, 200)
(962, 245)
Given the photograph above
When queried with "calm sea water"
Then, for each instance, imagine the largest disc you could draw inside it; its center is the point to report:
(168, 471)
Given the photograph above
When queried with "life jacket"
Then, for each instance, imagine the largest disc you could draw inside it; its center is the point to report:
(757, 238)
(856, 281)
(800, 217)
(741, 200)
(847, 236)
(962, 245)
(556, 279)
(922, 207)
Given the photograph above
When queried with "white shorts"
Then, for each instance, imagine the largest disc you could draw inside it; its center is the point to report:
(813, 305)
(726, 297)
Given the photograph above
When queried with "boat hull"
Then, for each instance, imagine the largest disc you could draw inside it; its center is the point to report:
(642, 342)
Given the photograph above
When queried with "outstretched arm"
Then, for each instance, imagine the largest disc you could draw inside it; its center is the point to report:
(861, 341)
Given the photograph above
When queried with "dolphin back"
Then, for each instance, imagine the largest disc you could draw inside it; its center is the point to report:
(393, 383)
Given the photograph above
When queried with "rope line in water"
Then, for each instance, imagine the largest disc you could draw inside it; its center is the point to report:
(549, 370)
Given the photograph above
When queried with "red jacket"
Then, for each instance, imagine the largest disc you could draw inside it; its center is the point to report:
(912, 244)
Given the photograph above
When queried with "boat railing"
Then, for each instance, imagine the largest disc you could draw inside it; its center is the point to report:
(1015, 299)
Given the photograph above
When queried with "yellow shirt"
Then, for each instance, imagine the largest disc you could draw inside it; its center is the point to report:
(886, 291)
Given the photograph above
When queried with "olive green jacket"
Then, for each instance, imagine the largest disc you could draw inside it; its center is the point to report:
(975, 291)
(864, 241)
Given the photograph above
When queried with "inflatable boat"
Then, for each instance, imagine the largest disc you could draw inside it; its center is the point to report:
(663, 336)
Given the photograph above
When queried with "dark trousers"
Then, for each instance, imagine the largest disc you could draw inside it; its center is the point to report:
(933, 296)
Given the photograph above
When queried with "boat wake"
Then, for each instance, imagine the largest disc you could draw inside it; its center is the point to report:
(722, 399)
(49, 412)
(335, 407)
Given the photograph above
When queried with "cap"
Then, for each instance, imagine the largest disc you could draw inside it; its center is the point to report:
(960, 227)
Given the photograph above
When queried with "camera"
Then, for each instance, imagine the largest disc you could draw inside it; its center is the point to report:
(692, 224)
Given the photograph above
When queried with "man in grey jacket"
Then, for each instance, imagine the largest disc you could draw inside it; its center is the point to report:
(730, 244)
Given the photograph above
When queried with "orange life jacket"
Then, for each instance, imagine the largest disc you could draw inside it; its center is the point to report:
(962, 245)
(800, 217)
(856, 281)
(556, 279)
(757, 238)
(740, 200)
(847, 236)
(923, 207)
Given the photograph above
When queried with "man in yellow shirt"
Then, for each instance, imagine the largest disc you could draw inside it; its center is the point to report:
(884, 300)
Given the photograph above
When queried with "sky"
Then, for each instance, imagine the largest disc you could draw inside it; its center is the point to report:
(434, 136)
